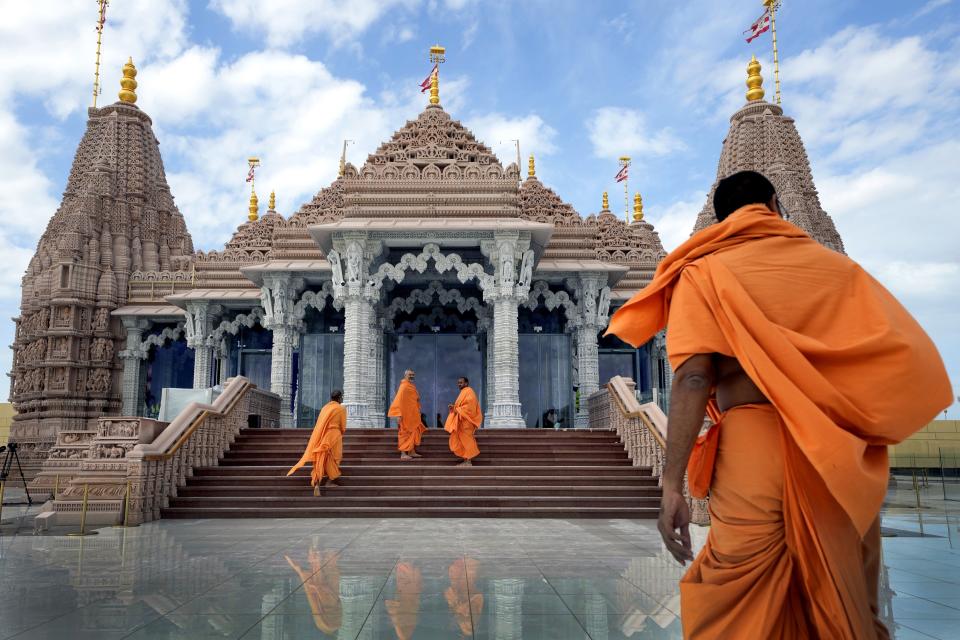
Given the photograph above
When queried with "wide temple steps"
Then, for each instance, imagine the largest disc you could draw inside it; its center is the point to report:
(520, 473)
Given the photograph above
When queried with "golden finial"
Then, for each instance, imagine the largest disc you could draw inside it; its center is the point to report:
(128, 83)
(606, 202)
(754, 81)
(437, 57)
(531, 168)
(637, 207)
(272, 205)
(254, 206)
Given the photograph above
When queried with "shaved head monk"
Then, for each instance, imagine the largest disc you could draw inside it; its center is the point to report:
(808, 368)
(406, 408)
(464, 418)
(325, 449)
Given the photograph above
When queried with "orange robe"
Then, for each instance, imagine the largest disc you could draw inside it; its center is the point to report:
(325, 449)
(794, 542)
(321, 585)
(406, 406)
(405, 607)
(465, 607)
(465, 418)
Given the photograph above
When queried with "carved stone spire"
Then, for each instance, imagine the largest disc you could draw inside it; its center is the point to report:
(761, 138)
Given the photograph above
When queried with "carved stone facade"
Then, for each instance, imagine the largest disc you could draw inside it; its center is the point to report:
(116, 225)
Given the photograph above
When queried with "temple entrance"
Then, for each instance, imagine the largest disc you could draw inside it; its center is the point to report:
(438, 360)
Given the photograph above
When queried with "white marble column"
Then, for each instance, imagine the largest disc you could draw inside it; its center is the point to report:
(375, 391)
(197, 326)
(350, 261)
(132, 356)
(486, 323)
(593, 301)
(508, 252)
(278, 296)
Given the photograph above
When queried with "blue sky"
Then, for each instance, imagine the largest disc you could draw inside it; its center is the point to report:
(873, 86)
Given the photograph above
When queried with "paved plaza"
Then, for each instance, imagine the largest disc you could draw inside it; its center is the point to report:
(422, 578)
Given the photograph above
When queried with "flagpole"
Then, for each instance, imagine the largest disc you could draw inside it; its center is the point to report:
(772, 6)
(101, 18)
(624, 161)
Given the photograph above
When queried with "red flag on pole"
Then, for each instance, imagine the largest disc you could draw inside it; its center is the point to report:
(762, 25)
(425, 85)
(622, 174)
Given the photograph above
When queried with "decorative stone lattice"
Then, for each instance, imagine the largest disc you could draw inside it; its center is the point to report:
(762, 139)
(117, 224)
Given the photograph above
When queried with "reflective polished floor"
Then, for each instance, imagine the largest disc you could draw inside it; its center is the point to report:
(373, 579)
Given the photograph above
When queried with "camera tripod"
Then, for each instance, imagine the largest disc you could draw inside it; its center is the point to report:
(8, 460)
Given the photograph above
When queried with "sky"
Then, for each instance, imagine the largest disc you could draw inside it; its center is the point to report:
(874, 86)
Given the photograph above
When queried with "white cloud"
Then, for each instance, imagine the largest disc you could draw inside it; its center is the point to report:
(920, 279)
(931, 6)
(675, 222)
(289, 21)
(498, 131)
(616, 131)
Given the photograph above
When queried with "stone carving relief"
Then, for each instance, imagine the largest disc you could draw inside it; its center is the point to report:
(99, 381)
(255, 316)
(426, 296)
(419, 263)
(315, 299)
(540, 293)
(102, 349)
(142, 350)
(101, 319)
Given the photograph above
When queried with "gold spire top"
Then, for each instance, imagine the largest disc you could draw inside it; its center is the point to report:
(531, 168)
(606, 202)
(437, 57)
(637, 207)
(754, 81)
(128, 84)
(272, 205)
(254, 206)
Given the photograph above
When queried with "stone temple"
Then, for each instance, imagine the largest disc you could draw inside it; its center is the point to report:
(432, 255)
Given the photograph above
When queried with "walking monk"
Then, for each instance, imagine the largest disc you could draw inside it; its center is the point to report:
(325, 449)
(809, 368)
(406, 408)
(465, 418)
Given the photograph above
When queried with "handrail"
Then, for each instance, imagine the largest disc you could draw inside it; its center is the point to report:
(195, 424)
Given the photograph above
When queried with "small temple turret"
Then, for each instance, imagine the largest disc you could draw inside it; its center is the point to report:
(754, 81)
(531, 168)
(128, 83)
(254, 208)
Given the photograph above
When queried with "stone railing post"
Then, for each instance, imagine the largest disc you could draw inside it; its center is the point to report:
(132, 356)
(278, 297)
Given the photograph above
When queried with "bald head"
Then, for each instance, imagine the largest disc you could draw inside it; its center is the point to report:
(409, 375)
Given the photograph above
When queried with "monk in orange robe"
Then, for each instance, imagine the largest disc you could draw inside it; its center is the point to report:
(403, 610)
(406, 408)
(321, 585)
(325, 449)
(809, 369)
(465, 603)
(465, 418)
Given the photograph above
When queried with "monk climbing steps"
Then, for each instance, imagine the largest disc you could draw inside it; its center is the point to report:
(809, 368)
(325, 449)
(464, 418)
(406, 408)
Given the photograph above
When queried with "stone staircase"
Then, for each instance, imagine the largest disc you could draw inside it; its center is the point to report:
(520, 473)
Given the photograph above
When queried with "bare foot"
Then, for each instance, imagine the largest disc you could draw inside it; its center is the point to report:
(316, 490)
(405, 456)
(465, 463)
(415, 454)
(332, 483)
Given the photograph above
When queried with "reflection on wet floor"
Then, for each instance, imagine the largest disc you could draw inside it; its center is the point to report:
(373, 579)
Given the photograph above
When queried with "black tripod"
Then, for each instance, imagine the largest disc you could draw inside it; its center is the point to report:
(11, 451)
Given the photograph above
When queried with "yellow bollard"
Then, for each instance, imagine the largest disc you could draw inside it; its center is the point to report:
(126, 509)
(83, 516)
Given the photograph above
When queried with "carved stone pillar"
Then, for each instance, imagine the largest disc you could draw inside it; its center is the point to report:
(350, 286)
(375, 391)
(593, 306)
(505, 290)
(486, 324)
(132, 356)
(278, 297)
(197, 326)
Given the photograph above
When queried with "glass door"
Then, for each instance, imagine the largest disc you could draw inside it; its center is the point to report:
(321, 371)
(546, 389)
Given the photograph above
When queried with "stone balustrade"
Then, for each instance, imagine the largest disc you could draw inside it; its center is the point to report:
(642, 429)
(154, 458)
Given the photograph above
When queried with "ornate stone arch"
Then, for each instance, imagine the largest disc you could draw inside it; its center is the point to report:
(540, 293)
(233, 326)
(420, 262)
(317, 300)
(425, 297)
(169, 334)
